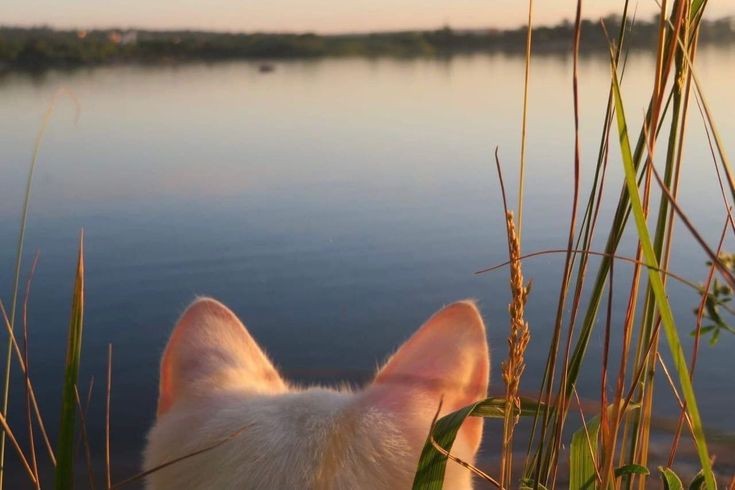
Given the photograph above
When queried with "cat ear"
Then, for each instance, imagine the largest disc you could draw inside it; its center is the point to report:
(210, 350)
(446, 359)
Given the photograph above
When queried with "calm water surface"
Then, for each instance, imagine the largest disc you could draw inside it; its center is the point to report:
(333, 204)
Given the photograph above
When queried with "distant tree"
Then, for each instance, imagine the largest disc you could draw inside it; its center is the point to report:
(33, 53)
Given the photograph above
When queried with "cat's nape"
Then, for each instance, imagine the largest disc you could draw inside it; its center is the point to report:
(217, 384)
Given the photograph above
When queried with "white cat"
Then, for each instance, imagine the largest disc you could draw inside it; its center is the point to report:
(217, 384)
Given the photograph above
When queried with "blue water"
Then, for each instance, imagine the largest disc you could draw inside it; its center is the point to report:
(334, 205)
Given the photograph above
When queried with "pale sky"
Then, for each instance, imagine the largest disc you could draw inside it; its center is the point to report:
(310, 15)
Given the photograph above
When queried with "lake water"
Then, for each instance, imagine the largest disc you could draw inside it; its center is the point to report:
(333, 204)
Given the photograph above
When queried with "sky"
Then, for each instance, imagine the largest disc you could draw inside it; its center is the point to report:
(327, 16)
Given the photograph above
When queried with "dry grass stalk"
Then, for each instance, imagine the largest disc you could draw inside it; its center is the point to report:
(518, 338)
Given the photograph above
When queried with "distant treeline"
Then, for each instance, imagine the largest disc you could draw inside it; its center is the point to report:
(35, 48)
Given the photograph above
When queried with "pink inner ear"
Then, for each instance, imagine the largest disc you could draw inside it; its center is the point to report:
(446, 359)
(210, 350)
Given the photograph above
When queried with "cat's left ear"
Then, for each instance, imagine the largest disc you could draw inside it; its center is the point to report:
(211, 351)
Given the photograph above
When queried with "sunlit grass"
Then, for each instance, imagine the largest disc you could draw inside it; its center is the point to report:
(612, 450)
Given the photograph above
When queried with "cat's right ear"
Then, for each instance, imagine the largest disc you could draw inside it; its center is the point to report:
(211, 351)
(446, 359)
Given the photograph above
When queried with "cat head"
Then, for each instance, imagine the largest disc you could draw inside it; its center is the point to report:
(222, 397)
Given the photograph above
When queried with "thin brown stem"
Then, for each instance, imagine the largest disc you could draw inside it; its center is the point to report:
(697, 338)
(527, 75)
(174, 461)
(26, 374)
(107, 417)
(85, 439)
(593, 456)
(24, 461)
(623, 258)
(675, 392)
(29, 385)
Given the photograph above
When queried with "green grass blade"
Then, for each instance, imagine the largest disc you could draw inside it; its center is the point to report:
(656, 283)
(65, 447)
(631, 469)
(582, 453)
(432, 463)
(495, 408)
(528, 484)
(670, 479)
(696, 6)
(698, 482)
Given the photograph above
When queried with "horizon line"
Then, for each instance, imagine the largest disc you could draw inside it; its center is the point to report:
(305, 32)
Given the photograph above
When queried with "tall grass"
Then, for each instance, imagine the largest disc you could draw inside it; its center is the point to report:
(10, 319)
(613, 449)
(16, 279)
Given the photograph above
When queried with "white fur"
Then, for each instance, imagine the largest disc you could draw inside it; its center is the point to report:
(217, 385)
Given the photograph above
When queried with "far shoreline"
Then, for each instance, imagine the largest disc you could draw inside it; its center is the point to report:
(41, 48)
